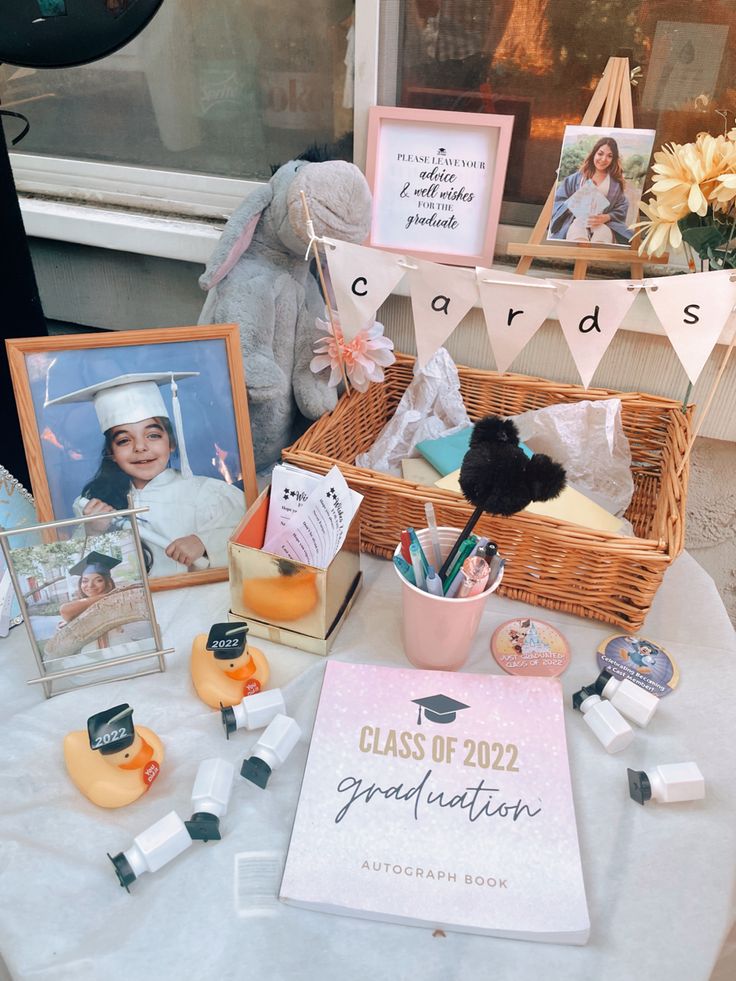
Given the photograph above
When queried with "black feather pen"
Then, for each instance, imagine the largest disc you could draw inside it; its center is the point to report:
(497, 477)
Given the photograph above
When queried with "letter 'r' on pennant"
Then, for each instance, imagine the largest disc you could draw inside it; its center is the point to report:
(693, 310)
(513, 312)
(590, 312)
(362, 278)
(440, 298)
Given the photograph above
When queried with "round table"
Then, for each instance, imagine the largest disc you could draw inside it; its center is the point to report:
(660, 879)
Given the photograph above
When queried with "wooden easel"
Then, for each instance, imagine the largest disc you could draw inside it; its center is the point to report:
(612, 97)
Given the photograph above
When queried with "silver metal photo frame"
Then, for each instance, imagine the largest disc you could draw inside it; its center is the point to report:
(84, 633)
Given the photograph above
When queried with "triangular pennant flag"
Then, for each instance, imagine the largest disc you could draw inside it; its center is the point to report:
(590, 313)
(440, 298)
(693, 309)
(515, 307)
(362, 278)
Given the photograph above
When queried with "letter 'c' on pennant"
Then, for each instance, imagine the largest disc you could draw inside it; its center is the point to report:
(590, 313)
(693, 310)
(362, 278)
(513, 312)
(440, 298)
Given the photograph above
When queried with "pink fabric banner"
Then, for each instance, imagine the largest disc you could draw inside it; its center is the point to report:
(515, 307)
(440, 298)
(590, 313)
(693, 309)
(362, 278)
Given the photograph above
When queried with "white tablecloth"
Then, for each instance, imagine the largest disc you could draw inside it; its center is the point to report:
(660, 879)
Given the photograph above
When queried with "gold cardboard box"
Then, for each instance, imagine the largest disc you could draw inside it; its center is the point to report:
(288, 602)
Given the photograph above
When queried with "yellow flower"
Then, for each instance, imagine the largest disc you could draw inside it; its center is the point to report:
(686, 175)
(661, 231)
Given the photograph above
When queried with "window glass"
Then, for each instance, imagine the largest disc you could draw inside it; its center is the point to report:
(224, 87)
(540, 60)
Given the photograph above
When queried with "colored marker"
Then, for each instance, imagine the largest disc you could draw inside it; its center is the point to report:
(405, 543)
(462, 554)
(416, 564)
(434, 583)
(405, 569)
(433, 533)
(422, 556)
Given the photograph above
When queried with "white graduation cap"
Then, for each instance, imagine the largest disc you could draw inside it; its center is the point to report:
(133, 398)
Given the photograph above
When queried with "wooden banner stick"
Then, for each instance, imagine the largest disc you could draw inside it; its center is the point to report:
(706, 407)
(336, 331)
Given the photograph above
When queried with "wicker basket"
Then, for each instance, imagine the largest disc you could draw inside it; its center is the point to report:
(551, 563)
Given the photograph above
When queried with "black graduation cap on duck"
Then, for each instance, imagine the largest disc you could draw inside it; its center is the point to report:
(497, 477)
(111, 730)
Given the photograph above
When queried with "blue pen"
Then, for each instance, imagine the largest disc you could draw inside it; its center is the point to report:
(416, 564)
(422, 556)
(434, 583)
(405, 569)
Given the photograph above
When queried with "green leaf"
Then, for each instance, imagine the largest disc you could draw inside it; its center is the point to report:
(702, 238)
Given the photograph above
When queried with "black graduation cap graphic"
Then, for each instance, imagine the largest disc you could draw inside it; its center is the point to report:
(111, 730)
(95, 562)
(227, 640)
(438, 708)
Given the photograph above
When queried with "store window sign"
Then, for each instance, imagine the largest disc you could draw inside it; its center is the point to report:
(437, 179)
(294, 100)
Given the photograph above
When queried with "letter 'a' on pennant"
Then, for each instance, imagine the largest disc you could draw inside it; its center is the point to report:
(693, 310)
(590, 313)
(513, 312)
(440, 298)
(362, 278)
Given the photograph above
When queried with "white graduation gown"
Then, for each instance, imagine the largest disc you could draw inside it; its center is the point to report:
(180, 506)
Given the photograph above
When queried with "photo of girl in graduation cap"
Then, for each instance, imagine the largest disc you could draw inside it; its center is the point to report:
(85, 597)
(190, 517)
(95, 581)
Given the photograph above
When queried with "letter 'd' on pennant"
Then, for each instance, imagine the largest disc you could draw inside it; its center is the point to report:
(513, 313)
(693, 309)
(440, 298)
(362, 278)
(590, 313)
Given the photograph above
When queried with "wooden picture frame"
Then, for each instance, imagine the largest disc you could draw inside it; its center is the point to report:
(45, 368)
(437, 181)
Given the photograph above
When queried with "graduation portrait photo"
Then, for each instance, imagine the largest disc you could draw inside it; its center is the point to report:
(154, 419)
(600, 181)
(84, 599)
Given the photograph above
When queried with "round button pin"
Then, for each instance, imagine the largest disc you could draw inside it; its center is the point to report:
(530, 647)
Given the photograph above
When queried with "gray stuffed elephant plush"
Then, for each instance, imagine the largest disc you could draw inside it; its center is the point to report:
(258, 278)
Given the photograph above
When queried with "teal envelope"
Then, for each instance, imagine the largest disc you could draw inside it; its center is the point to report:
(446, 453)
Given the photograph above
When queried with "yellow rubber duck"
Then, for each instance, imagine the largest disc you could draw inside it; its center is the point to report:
(113, 763)
(224, 675)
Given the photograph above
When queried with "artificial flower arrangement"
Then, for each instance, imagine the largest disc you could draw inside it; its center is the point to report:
(363, 358)
(693, 201)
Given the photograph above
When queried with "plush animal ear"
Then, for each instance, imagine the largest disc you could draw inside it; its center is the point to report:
(236, 236)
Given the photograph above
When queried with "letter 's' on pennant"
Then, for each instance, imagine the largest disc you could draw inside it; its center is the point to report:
(440, 298)
(590, 313)
(693, 310)
(362, 278)
(513, 312)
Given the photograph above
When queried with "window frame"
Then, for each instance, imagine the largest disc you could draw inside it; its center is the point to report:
(162, 212)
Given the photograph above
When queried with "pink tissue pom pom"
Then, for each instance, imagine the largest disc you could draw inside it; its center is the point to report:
(364, 357)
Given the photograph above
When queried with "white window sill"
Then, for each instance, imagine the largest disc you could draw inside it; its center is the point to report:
(189, 240)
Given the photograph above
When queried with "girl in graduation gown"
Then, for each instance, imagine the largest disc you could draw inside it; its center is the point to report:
(190, 518)
(602, 166)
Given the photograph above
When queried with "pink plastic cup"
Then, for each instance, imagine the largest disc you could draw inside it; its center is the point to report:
(438, 633)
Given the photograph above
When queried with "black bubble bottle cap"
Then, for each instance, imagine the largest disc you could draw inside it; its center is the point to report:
(123, 871)
(256, 770)
(640, 789)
